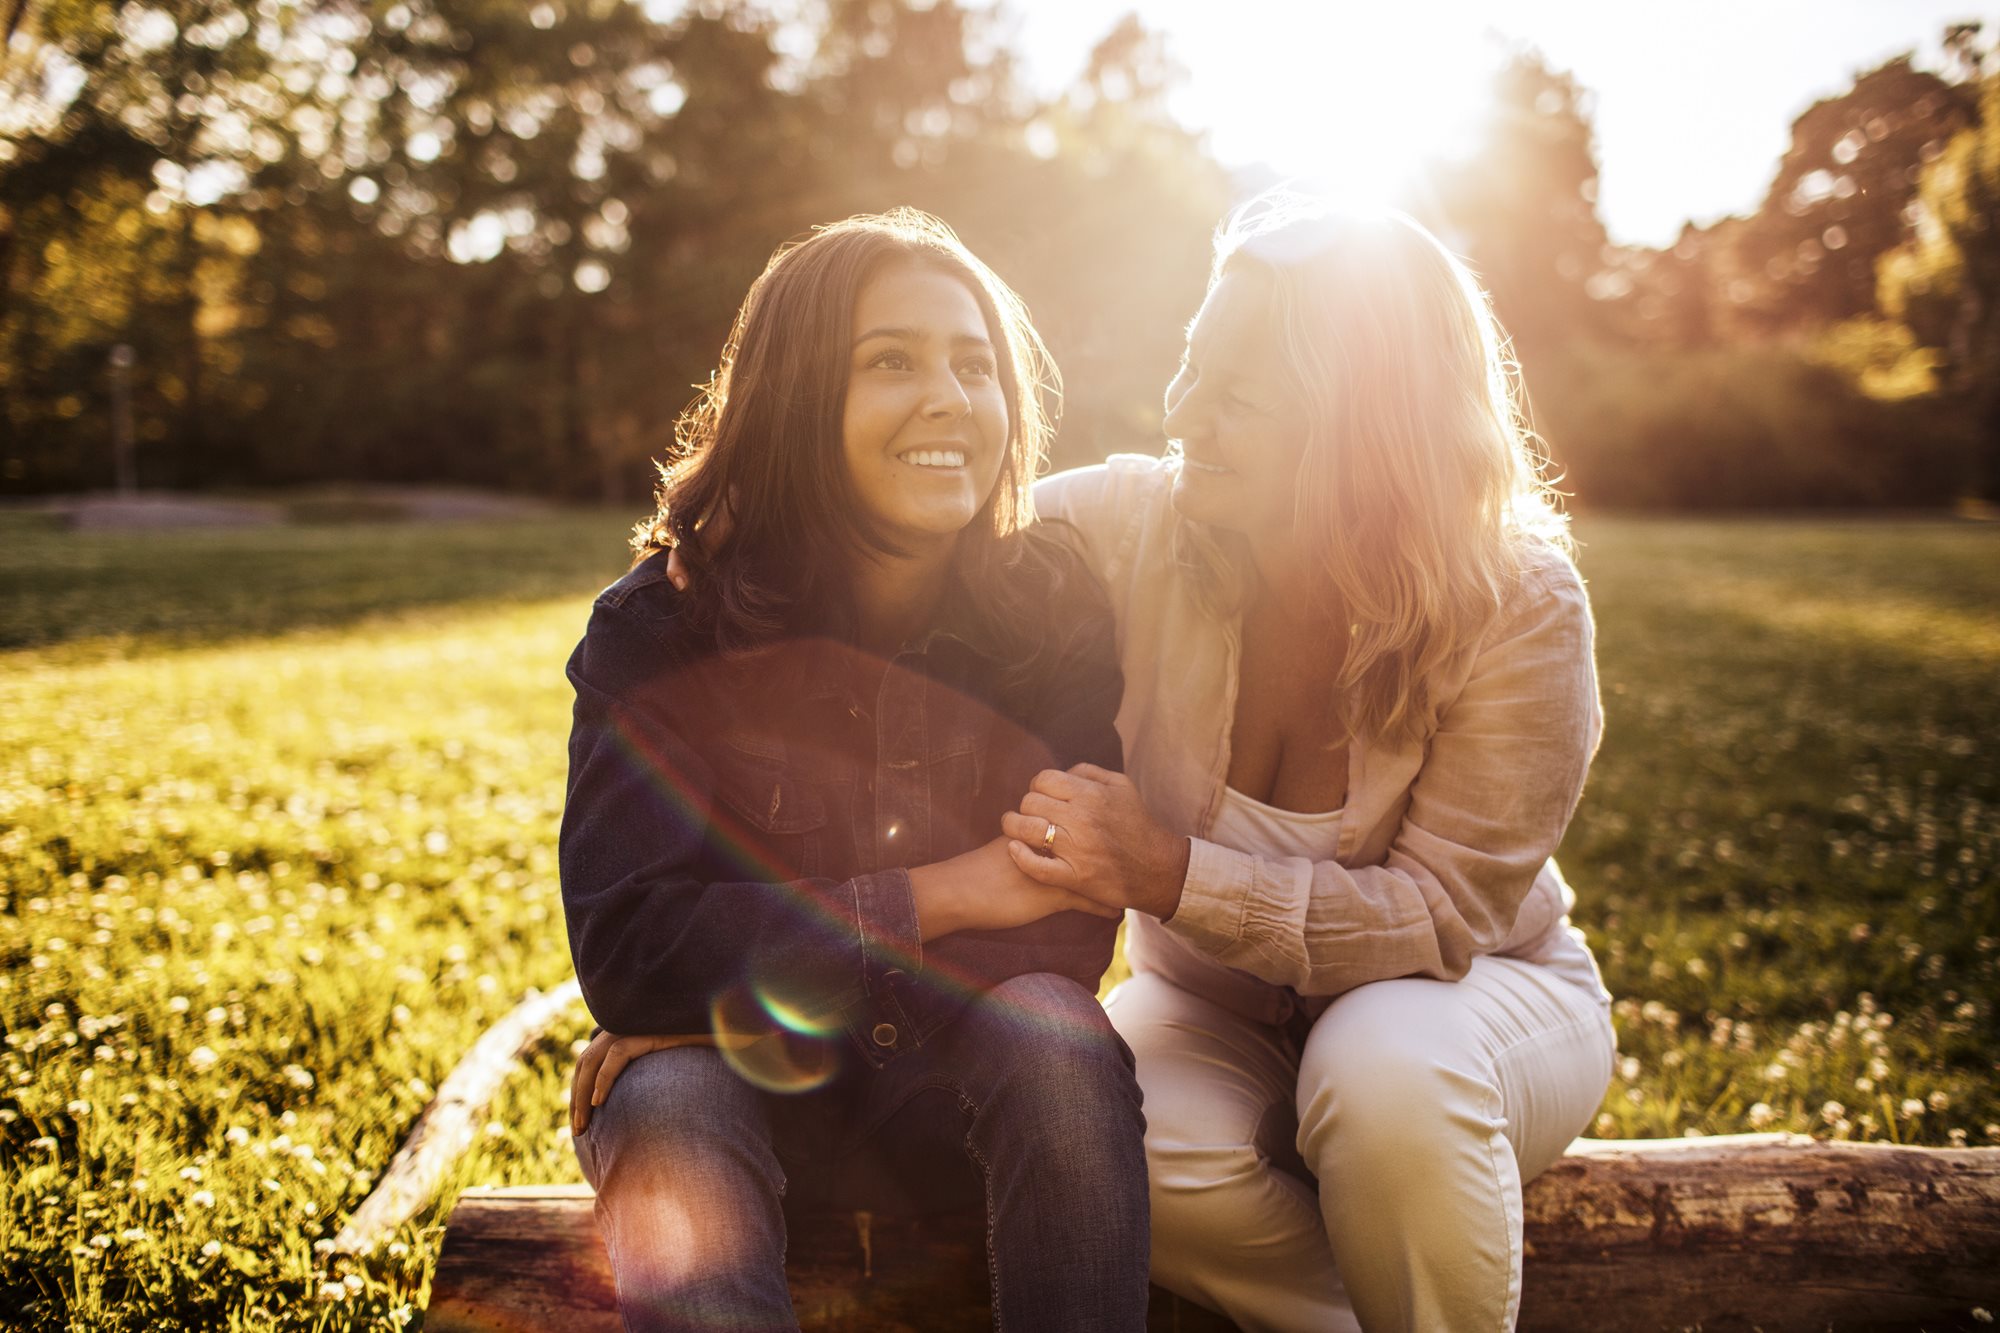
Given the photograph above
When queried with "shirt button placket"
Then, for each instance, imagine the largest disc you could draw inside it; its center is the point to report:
(902, 793)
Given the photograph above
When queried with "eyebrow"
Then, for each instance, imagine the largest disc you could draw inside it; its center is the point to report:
(918, 335)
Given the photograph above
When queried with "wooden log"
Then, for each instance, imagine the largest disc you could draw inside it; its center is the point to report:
(445, 1129)
(1765, 1231)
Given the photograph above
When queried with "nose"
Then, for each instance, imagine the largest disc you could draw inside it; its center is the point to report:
(1182, 406)
(944, 396)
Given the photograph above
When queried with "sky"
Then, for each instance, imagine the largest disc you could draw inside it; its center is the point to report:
(1694, 99)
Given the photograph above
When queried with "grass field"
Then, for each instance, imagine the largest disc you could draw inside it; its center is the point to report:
(277, 826)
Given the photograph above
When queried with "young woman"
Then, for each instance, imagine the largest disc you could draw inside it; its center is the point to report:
(1360, 706)
(780, 851)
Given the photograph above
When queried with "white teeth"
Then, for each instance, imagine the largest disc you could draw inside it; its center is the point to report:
(935, 458)
(1210, 468)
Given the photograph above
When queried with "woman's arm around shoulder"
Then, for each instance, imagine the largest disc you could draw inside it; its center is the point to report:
(1100, 509)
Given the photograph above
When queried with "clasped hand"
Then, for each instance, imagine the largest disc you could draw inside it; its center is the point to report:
(1107, 845)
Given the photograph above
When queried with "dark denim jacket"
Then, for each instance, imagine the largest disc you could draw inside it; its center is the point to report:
(736, 835)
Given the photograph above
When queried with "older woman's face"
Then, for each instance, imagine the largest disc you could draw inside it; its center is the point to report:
(1240, 424)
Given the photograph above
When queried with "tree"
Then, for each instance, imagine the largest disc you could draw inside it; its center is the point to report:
(1839, 199)
(1943, 283)
(1523, 207)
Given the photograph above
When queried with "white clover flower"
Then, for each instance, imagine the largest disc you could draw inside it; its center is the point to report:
(78, 1108)
(1761, 1115)
(211, 1249)
(1939, 1100)
(202, 1199)
(333, 1291)
(202, 1059)
(1628, 1069)
(8, 1115)
(133, 1234)
(191, 1173)
(298, 1076)
(1832, 1111)
(236, 1136)
(1912, 1108)
(397, 1249)
(217, 1016)
(353, 1283)
(178, 1005)
(101, 1241)
(323, 1247)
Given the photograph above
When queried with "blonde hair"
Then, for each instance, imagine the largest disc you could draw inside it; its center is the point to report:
(1421, 494)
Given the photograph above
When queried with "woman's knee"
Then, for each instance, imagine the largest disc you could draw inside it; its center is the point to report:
(671, 1111)
(1375, 1098)
(1040, 1052)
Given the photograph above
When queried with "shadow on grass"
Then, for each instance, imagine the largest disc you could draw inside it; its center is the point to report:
(204, 586)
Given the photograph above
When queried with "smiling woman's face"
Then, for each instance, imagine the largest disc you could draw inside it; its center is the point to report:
(924, 430)
(1240, 423)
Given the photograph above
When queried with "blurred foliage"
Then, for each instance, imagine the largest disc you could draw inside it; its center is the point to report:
(1733, 427)
(1523, 206)
(495, 242)
(487, 241)
(1941, 286)
(1834, 347)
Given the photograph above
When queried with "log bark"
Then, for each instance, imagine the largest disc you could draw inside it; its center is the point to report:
(1753, 1231)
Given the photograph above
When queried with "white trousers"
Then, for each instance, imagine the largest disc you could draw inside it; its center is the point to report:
(1373, 1179)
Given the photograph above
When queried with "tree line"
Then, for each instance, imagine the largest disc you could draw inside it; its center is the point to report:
(482, 241)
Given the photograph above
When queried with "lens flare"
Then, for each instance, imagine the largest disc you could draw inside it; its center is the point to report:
(766, 1053)
(796, 1015)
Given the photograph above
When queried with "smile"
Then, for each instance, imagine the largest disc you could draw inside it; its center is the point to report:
(935, 458)
(1208, 469)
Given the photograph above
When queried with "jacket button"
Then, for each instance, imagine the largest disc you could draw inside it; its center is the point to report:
(884, 1034)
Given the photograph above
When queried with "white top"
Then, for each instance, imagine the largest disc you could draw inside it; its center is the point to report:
(1249, 825)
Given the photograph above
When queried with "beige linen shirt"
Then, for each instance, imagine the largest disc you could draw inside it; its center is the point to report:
(1444, 851)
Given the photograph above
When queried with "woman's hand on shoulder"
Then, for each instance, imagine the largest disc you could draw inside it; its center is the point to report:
(1107, 846)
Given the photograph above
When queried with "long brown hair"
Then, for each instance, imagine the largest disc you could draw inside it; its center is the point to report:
(761, 447)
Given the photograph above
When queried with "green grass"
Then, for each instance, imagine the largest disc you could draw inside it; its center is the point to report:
(277, 825)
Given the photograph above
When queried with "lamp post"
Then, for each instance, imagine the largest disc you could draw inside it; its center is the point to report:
(125, 465)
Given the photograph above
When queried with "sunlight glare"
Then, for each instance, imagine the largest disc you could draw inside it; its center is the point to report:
(1351, 100)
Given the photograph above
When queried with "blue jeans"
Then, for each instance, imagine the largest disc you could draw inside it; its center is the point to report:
(1025, 1104)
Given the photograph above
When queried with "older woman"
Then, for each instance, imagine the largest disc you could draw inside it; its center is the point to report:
(1359, 707)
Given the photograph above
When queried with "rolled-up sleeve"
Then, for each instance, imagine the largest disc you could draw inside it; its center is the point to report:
(1501, 778)
(654, 943)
